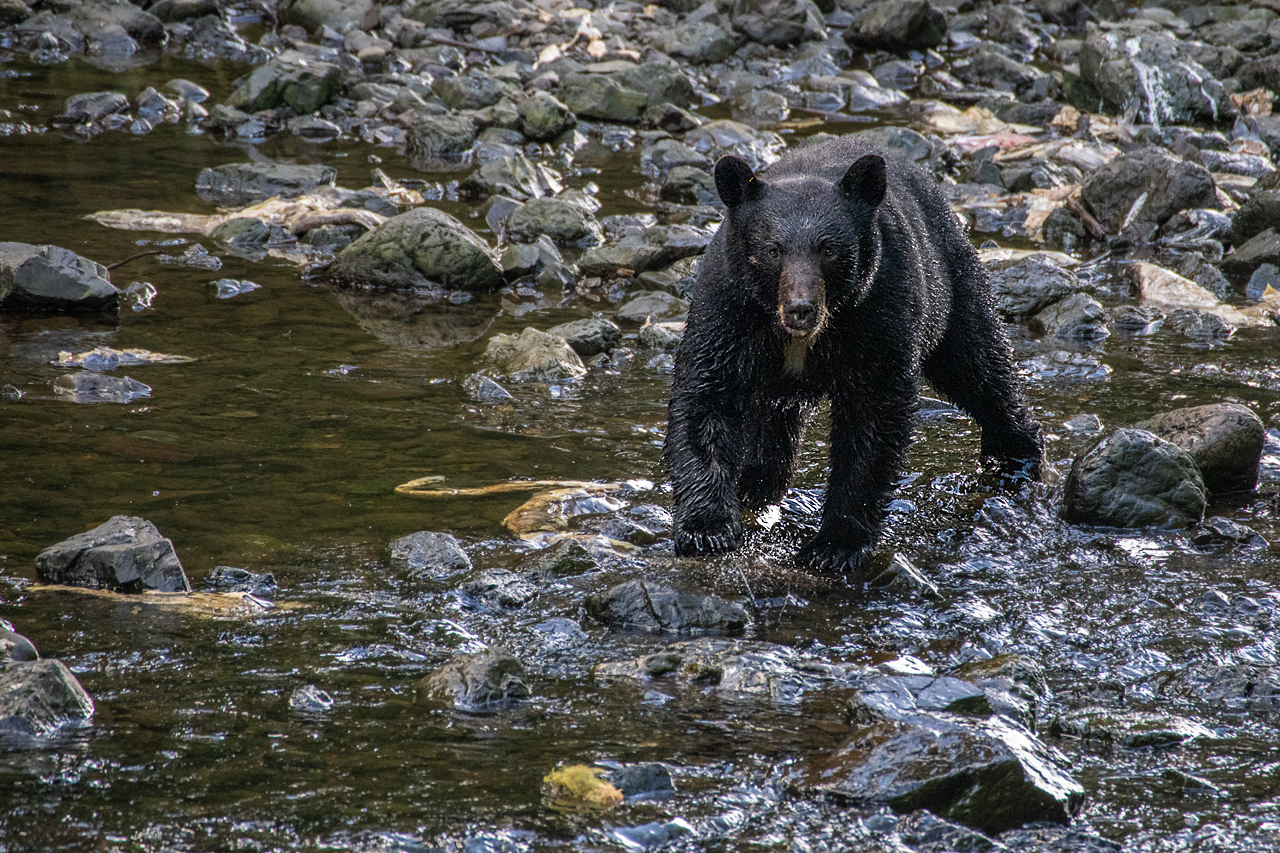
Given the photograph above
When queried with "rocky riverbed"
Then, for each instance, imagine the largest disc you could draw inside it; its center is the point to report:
(335, 344)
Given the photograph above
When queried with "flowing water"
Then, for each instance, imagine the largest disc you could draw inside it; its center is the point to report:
(278, 449)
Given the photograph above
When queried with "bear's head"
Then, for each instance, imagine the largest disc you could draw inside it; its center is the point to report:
(810, 239)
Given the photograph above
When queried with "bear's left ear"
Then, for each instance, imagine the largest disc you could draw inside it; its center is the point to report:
(865, 180)
(735, 182)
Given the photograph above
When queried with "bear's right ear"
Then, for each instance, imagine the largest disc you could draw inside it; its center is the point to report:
(865, 181)
(735, 182)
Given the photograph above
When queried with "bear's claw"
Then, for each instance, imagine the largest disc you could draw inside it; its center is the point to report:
(694, 543)
(829, 558)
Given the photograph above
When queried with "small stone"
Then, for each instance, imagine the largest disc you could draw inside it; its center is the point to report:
(477, 683)
(652, 607)
(652, 306)
(482, 389)
(429, 556)
(589, 337)
(241, 184)
(39, 697)
(1224, 439)
(534, 355)
(423, 248)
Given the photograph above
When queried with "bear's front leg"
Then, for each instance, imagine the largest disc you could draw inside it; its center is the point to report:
(868, 449)
(704, 458)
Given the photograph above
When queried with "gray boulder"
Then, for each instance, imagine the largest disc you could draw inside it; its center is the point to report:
(653, 306)
(429, 556)
(1025, 287)
(513, 176)
(501, 587)
(543, 118)
(535, 356)
(241, 184)
(589, 337)
(1245, 260)
(39, 697)
(565, 223)
(124, 554)
(780, 23)
(934, 744)
(696, 42)
(338, 15)
(653, 249)
(434, 139)
(50, 278)
(484, 682)
(656, 608)
(423, 248)
(1260, 210)
(1133, 478)
(1079, 317)
(600, 97)
(689, 185)
(471, 91)
(1145, 188)
(296, 80)
(898, 26)
(1224, 439)
(661, 84)
(1132, 729)
(14, 646)
(1141, 64)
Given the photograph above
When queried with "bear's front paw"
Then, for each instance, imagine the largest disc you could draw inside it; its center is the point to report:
(700, 539)
(823, 557)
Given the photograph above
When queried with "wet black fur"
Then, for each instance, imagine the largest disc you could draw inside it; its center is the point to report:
(906, 296)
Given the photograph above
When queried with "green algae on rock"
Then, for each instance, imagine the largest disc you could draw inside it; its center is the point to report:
(424, 248)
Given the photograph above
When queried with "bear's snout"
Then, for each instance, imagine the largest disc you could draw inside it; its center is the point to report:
(799, 316)
(800, 300)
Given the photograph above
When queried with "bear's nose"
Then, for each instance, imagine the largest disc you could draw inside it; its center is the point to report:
(799, 314)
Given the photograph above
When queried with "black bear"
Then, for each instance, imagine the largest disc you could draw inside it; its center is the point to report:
(837, 272)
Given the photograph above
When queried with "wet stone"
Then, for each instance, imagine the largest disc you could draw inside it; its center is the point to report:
(482, 389)
(310, 700)
(429, 556)
(425, 248)
(1216, 532)
(652, 306)
(899, 698)
(514, 176)
(49, 278)
(124, 554)
(291, 79)
(662, 335)
(660, 83)
(689, 185)
(1224, 439)
(435, 138)
(40, 697)
(651, 607)
(696, 42)
(566, 558)
(233, 579)
(1133, 729)
(477, 683)
(501, 587)
(651, 249)
(1264, 277)
(897, 26)
(597, 97)
(14, 646)
(780, 23)
(92, 108)
(241, 184)
(533, 356)
(903, 578)
(643, 781)
(589, 337)
(1144, 189)
(985, 773)
(1133, 478)
(543, 117)
(1246, 259)
(472, 91)
(565, 223)
(1079, 317)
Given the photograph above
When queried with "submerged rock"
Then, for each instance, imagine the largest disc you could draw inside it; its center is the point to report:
(653, 607)
(482, 682)
(39, 697)
(241, 184)
(1133, 478)
(1026, 286)
(90, 387)
(123, 554)
(433, 556)
(1224, 439)
(1133, 729)
(49, 278)
(423, 248)
(1079, 317)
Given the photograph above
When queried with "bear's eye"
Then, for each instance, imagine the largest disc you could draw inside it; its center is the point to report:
(828, 251)
(773, 253)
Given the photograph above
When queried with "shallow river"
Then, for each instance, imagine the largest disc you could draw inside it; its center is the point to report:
(278, 449)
